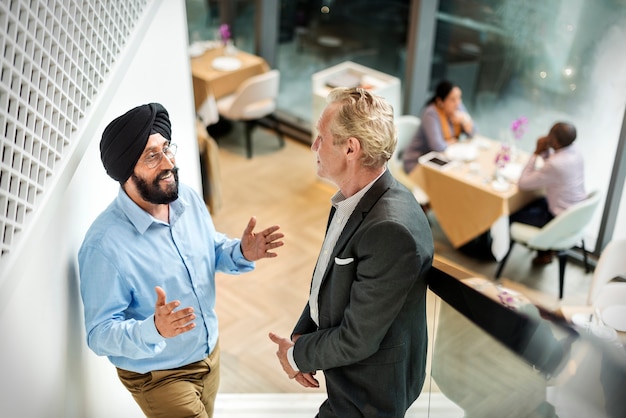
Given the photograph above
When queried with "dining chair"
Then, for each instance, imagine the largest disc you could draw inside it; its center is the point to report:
(253, 102)
(561, 234)
(407, 126)
(608, 284)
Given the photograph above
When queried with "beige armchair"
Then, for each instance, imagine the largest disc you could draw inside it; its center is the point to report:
(407, 126)
(253, 101)
(561, 234)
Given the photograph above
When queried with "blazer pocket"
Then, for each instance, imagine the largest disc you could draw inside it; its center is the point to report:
(343, 261)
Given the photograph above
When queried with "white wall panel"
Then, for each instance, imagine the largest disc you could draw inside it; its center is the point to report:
(48, 369)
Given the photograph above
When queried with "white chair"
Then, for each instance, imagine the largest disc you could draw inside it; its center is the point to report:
(561, 234)
(604, 291)
(407, 126)
(254, 100)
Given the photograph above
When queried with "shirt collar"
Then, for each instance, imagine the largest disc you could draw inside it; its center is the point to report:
(141, 219)
(566, 148)
(339, 200)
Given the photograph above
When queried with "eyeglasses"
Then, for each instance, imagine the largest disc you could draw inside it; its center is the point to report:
(154, 158)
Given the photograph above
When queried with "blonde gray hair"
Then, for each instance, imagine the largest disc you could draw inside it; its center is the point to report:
(369, 119)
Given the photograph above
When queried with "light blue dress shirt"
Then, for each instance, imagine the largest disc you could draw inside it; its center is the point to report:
(126, 253)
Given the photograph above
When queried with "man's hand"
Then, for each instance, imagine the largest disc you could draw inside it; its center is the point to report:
(255, 246)
(283, 346)
(305, 379)
(168, 322)
(543, 145)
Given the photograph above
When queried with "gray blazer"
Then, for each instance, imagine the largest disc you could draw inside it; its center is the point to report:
(372, 339)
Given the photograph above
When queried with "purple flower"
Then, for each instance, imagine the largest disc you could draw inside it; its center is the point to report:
(519, 127)
(224, 32)
(503, 156)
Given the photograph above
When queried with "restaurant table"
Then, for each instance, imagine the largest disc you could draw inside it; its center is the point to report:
(465, 198)
(212, 81)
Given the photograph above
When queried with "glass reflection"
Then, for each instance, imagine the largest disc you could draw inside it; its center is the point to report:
(315, 35)
(548, 61)
(496, 353)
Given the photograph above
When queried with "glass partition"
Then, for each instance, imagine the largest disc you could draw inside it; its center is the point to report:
(204, 18)
(544, 60)
(315, 35)
(495, 354)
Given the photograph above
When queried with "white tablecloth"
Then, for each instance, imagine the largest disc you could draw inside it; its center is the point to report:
(207, 112)
(500, 237)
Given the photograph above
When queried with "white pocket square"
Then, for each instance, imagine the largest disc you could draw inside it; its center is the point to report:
(343, 261)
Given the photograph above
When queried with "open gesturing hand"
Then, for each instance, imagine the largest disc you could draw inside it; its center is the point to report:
(167, 320)
(257, 245)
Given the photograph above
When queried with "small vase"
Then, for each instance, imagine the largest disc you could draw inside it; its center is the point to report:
(497, 174)
(230, 49)
(511, 141)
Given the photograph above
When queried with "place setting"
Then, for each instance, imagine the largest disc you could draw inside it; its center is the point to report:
(226, 63)
(506, 176)
(198, 48)
(462, 151)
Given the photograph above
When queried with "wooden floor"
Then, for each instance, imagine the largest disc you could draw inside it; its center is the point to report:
(279, 186)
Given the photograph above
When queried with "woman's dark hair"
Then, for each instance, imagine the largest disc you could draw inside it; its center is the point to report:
(441, 91)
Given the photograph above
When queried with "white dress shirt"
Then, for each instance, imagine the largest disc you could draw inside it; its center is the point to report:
(343, 209)
(562, 175)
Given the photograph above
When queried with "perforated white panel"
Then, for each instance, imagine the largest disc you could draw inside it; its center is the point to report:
(56, 55)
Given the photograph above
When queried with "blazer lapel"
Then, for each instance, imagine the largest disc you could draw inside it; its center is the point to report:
(360, 211)
(330, 217)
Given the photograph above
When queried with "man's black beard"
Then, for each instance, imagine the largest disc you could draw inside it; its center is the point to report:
(151, 192)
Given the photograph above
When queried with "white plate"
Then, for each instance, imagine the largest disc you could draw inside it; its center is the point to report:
(461, 151)
(226, 63)
(615, 317)
(482, 143)
(195, 50)
(500, 186)
(512, 171)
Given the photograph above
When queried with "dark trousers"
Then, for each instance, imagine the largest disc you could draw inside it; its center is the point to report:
(536, 213)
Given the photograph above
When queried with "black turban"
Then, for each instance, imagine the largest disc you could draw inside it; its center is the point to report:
(125, 138)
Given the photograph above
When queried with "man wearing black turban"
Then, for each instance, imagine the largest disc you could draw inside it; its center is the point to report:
(157, 236)
(125, 138)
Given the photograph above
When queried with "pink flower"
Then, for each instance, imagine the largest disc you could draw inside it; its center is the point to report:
(224, 32)
(503, 156)
(519, 127)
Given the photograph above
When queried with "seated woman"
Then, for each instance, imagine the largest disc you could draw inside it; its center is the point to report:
(444, 119)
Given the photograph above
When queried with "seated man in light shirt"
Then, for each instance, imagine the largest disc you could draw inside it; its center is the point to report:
(561, 175)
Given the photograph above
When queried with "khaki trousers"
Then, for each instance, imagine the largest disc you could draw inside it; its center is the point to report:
(187, 391)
